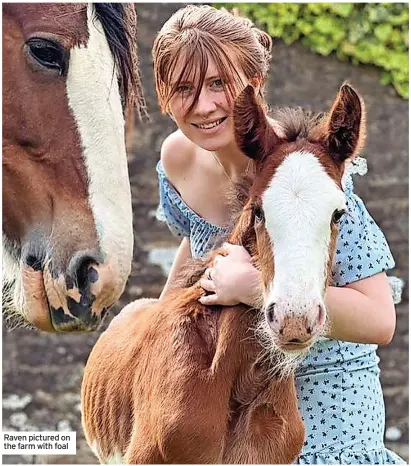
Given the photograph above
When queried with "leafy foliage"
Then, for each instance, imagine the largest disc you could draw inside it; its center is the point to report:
(370, 33)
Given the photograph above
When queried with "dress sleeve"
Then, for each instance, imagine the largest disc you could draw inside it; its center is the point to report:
(170, 208)
(362, 250)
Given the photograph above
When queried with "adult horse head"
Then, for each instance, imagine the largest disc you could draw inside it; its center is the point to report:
(69, 73)
(295, 207)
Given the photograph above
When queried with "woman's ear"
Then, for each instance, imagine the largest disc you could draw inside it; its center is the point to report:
(171, 116)
(256, 82)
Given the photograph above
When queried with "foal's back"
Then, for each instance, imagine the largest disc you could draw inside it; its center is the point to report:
(193, 395)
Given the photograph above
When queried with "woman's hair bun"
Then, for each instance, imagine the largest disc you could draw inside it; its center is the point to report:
(264, 39)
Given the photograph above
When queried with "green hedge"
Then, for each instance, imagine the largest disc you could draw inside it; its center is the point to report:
(371, 33)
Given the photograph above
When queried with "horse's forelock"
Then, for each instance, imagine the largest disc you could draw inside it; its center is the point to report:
(297, 123)
(119, 23)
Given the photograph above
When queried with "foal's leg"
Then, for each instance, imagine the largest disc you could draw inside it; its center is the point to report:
(270, 430)
(142, 450)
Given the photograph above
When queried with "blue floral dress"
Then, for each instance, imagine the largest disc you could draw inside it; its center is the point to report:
(338, 386)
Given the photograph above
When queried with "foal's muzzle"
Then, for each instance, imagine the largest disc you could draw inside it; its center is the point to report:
(295, 329)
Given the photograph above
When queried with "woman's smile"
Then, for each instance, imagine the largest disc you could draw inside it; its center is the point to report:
(212, 126)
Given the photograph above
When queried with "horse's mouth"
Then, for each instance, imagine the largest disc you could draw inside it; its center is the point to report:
(296, 347)
(37, 309)
(51, 313)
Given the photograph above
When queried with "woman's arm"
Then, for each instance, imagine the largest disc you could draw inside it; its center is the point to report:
(362, 312)
(183, 253)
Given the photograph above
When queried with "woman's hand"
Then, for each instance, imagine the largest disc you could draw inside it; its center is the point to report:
(233, 279)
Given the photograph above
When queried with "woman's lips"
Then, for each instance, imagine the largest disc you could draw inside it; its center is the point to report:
(212, 127)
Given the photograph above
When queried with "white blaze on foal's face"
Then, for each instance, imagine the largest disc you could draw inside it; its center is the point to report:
(299, 204)
(298, 187)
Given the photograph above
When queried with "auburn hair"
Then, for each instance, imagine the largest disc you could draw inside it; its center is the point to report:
(197, 33)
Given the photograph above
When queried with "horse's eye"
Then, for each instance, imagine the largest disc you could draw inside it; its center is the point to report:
(48, 54)
(258, 214)
(338, 213)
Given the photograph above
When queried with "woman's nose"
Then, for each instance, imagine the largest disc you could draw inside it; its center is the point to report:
(206, 104)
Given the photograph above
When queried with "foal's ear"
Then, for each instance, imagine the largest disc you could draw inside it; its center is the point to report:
(253, 133)
(346, 124)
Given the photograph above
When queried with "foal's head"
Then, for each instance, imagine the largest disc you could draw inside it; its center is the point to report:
(69, 71)
(295, 207)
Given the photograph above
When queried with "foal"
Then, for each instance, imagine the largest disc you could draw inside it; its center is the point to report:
(173, 381)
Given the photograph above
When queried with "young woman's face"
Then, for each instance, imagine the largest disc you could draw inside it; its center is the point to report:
(209, 125)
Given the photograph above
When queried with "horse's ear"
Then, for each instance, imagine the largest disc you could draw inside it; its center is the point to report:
(346, 124)
(253, 133)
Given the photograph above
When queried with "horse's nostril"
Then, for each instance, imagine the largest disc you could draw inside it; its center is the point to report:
(33, 262)
(270, 313)
(81, 270)
(82, 275)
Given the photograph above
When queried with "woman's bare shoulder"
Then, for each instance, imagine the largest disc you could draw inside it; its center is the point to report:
(177, 154)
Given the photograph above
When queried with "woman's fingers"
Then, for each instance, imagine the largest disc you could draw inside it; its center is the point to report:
(209, 300)
(207, 285)
(208, 273)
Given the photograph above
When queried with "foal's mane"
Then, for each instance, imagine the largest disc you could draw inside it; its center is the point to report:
(237, 197)
(118, 21)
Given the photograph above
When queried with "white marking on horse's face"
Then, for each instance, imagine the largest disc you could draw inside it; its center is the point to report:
(298, 206)
(94, 98)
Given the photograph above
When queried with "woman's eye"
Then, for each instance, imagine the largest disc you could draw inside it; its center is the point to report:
(218, 83)
(184, 88)
(338, 213)
(47, 54)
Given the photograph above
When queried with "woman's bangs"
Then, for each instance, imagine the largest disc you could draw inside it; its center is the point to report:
(227, 71)
(188, 65)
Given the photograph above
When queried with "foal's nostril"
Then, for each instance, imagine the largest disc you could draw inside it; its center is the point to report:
(270, 313)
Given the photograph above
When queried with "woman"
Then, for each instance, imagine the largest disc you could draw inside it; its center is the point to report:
(203, 58)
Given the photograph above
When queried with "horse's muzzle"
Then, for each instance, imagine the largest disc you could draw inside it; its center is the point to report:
(295, 330)
(73, 302)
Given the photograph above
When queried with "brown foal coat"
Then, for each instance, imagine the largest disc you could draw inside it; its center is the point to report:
(175, 382)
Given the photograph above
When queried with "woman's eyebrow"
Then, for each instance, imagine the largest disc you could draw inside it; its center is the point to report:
(212, 77)
(183, 81)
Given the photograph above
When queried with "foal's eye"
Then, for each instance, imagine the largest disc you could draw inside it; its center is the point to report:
(258, 214)
(48, 54)
(338, 213)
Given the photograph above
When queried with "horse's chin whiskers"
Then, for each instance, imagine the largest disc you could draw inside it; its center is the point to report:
(13, 315)
(281, 364)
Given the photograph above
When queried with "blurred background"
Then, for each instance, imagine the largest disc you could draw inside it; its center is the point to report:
(316, 48)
